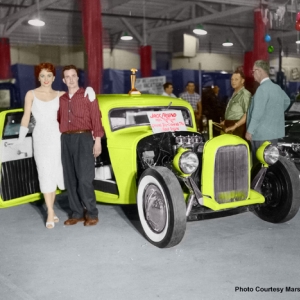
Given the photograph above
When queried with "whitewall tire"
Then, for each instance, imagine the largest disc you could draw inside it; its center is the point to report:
(161, 207)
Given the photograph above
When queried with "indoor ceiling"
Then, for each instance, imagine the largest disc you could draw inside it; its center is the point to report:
(154, 22)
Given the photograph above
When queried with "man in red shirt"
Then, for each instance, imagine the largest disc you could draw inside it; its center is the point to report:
(80, 124)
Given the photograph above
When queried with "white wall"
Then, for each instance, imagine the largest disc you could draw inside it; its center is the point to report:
(57, 55)
(25, 55)
(209, 62)
(127, 59)
(287, 63)
(120, 59)
(33, 55)
(71, 56)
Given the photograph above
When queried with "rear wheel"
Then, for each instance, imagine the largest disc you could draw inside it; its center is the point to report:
(281, 191)
(161, 207)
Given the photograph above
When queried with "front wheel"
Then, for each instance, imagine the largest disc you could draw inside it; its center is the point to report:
(161, 207)
(281, 191)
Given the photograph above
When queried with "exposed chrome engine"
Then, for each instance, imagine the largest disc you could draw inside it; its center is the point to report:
(291, 151)
(189, 142)
(159, 149)
(294, 146)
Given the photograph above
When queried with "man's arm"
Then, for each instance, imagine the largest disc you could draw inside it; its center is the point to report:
(259, 105)
(237, 124)
(97, 149)
(199, 108)
(248, 136)
(95, 115)
(245, 102)
(98, 131)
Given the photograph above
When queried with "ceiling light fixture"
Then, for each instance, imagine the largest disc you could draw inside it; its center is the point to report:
(298, 42)
(37, 21)
(126, 37)
(199, 30)
(227, 44)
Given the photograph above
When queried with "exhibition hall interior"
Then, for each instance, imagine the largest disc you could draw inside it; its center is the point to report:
(191, 212)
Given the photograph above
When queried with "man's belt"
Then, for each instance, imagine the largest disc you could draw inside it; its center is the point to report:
(76, 131)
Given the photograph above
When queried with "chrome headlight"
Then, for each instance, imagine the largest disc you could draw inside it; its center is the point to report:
(271, 154)
(188, 162)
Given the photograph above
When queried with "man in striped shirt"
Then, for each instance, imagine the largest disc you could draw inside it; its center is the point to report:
(80, 124)
(194, 99)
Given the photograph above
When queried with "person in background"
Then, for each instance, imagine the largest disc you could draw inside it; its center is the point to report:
(194, 99)
(236, 110)
(212, 108)
(265, 117)
(216, 90)
(79, 120)
(168, 89)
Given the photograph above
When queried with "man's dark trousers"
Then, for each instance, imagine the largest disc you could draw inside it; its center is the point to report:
(79, 172)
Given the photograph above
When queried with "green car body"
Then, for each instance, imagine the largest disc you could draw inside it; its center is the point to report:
(122, 143)
(138, 166)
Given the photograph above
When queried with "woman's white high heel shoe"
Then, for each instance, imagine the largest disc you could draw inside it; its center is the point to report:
(50, 225)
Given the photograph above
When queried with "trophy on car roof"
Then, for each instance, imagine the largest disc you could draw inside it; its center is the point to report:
(133, 90)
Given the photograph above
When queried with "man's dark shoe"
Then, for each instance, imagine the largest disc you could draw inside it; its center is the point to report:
(91, 222)
(73, 221)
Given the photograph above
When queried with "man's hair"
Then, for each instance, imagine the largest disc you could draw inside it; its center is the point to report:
(190, 82)
(44, 66)
(263, 65)
(69, 67)
(167, 84)
(240, 71)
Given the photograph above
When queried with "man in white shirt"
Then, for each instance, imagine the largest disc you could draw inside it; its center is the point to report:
(168, 89)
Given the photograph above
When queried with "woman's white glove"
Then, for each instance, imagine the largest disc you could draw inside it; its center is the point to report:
(91, 93)
(22, 134)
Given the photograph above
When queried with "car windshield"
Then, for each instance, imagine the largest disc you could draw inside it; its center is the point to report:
(137, 116)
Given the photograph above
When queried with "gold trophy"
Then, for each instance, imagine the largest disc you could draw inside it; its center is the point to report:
(133, 90)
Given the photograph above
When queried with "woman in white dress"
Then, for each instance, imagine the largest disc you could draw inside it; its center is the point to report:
(43, 103)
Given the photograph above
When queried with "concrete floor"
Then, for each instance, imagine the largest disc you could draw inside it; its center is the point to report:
(114, 261)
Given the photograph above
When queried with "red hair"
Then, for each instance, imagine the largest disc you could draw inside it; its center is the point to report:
(44, 66)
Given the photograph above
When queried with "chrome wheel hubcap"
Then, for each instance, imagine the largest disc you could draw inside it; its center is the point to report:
(155, 210)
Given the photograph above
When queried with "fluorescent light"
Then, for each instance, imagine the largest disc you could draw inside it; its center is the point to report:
(199, 30)
(227, 44)
(126, 37)
(36, 22)
(298, 42)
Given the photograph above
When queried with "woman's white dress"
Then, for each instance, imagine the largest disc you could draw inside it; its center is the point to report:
(47, 145)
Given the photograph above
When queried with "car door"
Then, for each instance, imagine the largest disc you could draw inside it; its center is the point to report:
(19, 179)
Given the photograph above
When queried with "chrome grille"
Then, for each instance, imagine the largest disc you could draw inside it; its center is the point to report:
(231, 174)
(19, 178)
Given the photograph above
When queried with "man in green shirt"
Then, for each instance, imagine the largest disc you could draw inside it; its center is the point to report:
(236, 110)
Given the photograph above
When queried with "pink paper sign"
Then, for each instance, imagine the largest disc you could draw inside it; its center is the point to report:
(169, 120)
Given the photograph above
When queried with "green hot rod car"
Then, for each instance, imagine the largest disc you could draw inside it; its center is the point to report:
(154, 157)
